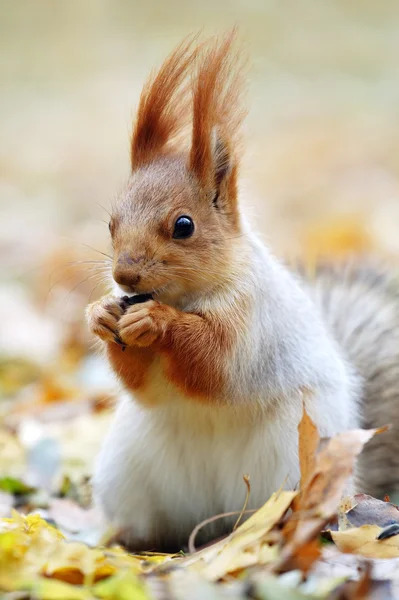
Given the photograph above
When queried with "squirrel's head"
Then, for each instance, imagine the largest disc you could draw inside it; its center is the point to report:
(173, 227)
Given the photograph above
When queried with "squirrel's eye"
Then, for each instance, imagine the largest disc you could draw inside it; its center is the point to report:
(184, 228)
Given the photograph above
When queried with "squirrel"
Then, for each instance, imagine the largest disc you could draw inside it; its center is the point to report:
(229, 343)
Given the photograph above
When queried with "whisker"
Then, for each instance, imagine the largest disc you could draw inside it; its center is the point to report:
(95, 287)
(81, 262)
(74, 263)
(55, 285)
(99, 251)
(79, 284)
(106, 210)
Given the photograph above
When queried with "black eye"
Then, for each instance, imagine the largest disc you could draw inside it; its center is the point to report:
(184, 228)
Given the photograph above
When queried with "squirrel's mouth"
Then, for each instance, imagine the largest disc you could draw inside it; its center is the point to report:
(124, 290)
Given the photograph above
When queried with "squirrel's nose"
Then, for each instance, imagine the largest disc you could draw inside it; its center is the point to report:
(123, 277)
(125, 270)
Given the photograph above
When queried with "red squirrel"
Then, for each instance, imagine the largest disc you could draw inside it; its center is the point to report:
(218, 360)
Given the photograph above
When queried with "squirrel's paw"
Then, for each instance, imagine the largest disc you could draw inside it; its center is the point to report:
(145, 323)
(103, 316)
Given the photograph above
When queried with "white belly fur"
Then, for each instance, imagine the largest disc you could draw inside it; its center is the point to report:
(164, 469)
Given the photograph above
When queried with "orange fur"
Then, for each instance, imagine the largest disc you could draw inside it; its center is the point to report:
(216, 115)
(193, 346)
(130, 365)
(194, 353)
(163, 106)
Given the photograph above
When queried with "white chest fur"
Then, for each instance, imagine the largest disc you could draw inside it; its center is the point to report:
(163, 470)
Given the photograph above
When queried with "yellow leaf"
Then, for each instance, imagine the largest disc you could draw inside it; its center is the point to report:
(125, 586)
(30, 524)
(51, 589)
(244, 546)
(363, 540)
(30, 547)
(10, 542)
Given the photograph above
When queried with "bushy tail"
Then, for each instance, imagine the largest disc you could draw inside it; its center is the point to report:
(361, 306)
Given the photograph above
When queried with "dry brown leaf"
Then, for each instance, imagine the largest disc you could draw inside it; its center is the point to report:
(308, 443)
(370, 511)
(321, 496)
(363, 540)
(334, 467)
(303, 556)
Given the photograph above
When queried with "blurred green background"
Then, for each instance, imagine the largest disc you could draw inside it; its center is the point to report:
(321, 168)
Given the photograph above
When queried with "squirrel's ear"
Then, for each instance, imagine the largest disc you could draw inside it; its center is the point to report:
(214, 166)
(222, 160)
(217, 115)
(224, 192)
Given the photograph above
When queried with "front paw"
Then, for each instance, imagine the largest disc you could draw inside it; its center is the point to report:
(144, 324)
(103, 317)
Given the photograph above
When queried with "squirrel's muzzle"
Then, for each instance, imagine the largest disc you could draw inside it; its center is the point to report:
(126, 270)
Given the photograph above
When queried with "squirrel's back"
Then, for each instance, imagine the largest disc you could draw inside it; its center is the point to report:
(360, 304)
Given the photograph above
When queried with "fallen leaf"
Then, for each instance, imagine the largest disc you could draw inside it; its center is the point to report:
(334, 466)
(124, 586)
(51, 589)
(308, 443)
(321, 496)
(370, 511)
(31, 550)
(30, 525)
(243, 547)
(363, 541)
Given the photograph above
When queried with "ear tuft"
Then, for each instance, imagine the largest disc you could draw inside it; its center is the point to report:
(164, 105)
(217, 115)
